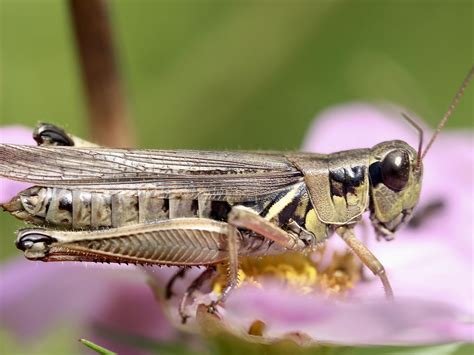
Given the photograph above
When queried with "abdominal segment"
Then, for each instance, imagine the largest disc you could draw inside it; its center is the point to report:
(75, 209)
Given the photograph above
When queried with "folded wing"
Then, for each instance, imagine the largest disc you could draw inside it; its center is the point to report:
(167, 171)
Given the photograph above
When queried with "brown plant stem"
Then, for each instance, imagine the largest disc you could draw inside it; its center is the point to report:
(109, 119)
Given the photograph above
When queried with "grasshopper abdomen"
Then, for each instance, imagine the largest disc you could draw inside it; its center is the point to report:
(77, 209)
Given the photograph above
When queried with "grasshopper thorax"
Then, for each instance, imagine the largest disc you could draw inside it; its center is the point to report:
(395, 183)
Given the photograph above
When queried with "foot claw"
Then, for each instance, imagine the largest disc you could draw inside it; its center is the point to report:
(184, 318)
(212, 307)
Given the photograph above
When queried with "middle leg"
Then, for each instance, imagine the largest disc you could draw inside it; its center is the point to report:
(169, 286)
(195, 285)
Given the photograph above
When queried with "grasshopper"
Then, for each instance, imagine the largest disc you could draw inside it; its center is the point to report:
(202, 208)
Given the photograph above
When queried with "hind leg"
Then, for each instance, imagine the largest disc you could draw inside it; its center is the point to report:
(46, 134)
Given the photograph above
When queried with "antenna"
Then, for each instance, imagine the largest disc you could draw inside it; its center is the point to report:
(420, 135)
(450, 110)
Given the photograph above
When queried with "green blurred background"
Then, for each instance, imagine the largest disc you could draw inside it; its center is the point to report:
(238, 74)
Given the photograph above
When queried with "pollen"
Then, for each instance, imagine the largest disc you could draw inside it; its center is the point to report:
(306, 273)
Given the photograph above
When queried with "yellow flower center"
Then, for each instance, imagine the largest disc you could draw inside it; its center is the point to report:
(305, 273)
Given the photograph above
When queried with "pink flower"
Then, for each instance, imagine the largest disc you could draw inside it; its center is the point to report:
(429, 265)
(105, 302)
(13, 135)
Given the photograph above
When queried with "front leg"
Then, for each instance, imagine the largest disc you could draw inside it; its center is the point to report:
(367, 258)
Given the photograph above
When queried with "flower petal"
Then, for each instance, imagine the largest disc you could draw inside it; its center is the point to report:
(38, 296)
(13, 135)
(406, 321)
(357, 125)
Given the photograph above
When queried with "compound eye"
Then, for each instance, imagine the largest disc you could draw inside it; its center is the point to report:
(395, 169)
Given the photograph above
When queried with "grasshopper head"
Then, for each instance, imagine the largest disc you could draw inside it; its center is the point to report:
(396, 171)
(395, 183)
